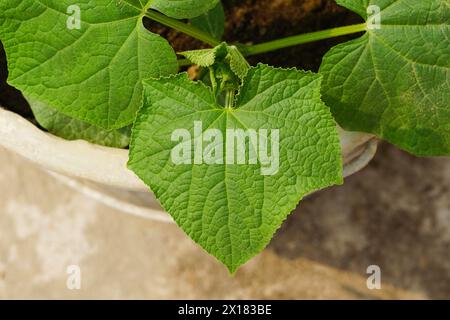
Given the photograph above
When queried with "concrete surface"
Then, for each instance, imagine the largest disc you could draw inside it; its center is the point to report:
(395, 214)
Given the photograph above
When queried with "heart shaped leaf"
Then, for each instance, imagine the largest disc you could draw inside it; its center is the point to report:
(230, 176)
(394, 81)
(87, 59)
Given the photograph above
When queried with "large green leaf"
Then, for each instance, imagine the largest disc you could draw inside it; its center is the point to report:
(183, 9)
(395, 81)
(73, 129)
(93, 73)
(233, 210)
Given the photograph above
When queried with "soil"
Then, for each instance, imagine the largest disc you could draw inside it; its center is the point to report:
(248, 21)
(11, 98)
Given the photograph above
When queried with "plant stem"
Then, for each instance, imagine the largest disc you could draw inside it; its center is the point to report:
(280, 43)
(229, 99)
(184, 62)
(182, 27)
(303, 38)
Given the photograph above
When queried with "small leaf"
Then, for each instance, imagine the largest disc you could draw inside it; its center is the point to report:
(212, 22)
(221, 53)
(238, 63)
(93, 73)
(394, 81)
(72, 129)
(233, 210)
(184, 9)
(207, 57)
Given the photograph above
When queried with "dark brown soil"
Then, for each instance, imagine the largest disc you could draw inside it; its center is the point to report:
(9, 97)
(248, 21)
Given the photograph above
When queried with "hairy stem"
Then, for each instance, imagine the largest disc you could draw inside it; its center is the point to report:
(182, 27)
(302, 39)
(280, 43)
(229, 99)
(184, 62)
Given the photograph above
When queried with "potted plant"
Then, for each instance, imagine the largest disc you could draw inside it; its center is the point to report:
(228, 148)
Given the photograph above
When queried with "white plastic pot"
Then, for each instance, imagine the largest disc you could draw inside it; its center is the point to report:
(101, 172)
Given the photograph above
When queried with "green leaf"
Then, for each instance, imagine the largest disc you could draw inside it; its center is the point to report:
(72, 129)
(212, 22)
(227, 65)
(93, 73)
(221, 53)
(394, 81)
(233, 210)
(184, 9)
(207, 57)
(238, 63)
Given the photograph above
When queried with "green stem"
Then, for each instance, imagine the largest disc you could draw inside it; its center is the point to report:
(182, 27)
(184, 62)
(229, 99)
(303, 38)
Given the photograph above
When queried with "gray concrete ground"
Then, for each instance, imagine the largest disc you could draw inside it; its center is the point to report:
(395, 214)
